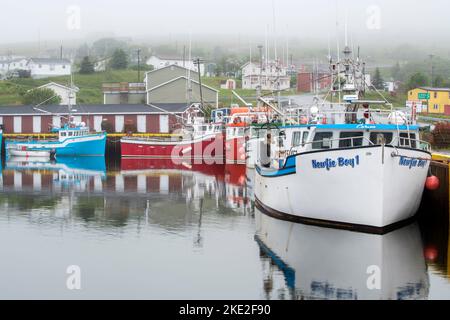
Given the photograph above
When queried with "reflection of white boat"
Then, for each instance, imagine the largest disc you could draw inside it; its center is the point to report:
(29, 153)
(322, 263)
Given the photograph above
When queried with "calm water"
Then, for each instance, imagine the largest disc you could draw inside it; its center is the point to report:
(151, 230)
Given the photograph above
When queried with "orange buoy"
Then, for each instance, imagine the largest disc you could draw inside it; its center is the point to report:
(432, 183)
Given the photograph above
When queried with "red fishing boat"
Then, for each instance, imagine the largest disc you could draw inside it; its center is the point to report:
(240, 121)
(197, 140)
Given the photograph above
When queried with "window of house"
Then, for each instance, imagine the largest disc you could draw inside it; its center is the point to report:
(381, 137)
(351, 139)
(435, 95)
(436, 107)
(322, 140)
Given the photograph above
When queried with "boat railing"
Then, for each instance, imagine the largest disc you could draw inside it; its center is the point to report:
(371, 116)
(411, 143)
(329, 143)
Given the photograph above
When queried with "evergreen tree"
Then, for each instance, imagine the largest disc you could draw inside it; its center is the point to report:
(86, 67)
(119, 60)
(378, 81)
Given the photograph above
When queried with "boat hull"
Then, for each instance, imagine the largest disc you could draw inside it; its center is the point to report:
(91, 145)
(205, 148)
(29, 154)
(359, 188)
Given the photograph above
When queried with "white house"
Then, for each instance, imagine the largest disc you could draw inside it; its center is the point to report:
(229, 84)
(271, 77)
(158, 63)
(100, 65)
(48, 67)
(63, 92)
(7, 66)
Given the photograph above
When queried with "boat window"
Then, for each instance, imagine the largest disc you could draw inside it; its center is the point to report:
(379, 138)
(305, 137)
(351, 139)
(70, 133)
(408, 142)
(63, 134)
(322, 140)
(296, 139)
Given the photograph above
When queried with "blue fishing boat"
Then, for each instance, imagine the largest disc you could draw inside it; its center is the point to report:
(74, 139)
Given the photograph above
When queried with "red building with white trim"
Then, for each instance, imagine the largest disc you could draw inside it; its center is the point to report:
(159, 119)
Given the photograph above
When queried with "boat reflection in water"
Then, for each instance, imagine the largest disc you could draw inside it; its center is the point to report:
(323, 263)
(41, 174)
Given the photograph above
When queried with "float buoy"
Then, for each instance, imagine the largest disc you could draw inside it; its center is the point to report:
(432, 183)
(431, 253)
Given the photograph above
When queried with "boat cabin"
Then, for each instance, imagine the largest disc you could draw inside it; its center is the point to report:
(292, 140)
(69, 132)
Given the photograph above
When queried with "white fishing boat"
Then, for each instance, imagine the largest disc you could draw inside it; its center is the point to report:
(350, 166)
(24, 151)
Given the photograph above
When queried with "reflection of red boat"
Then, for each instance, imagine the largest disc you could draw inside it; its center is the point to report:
(235, 175)
(217, 170)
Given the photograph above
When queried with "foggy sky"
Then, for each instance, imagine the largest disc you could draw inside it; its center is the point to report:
(411, 20)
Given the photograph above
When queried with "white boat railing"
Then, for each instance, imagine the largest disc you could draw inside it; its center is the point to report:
(411, 142)
(332, 115)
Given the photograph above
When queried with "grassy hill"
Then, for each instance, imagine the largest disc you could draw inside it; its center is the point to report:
(91, 87)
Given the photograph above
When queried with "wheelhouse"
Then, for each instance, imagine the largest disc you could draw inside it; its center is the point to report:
(66, 133)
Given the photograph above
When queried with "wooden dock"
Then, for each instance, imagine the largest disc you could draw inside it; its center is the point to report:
(440, 167)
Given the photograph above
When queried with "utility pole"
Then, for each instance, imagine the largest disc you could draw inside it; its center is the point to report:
(259, 91)
(432, 69)
(139, 64)
(198, 62)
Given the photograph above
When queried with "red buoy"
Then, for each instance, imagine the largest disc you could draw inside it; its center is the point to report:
(432, 183)
(431, 253)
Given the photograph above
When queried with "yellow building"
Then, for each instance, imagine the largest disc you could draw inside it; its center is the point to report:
(434, 100)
